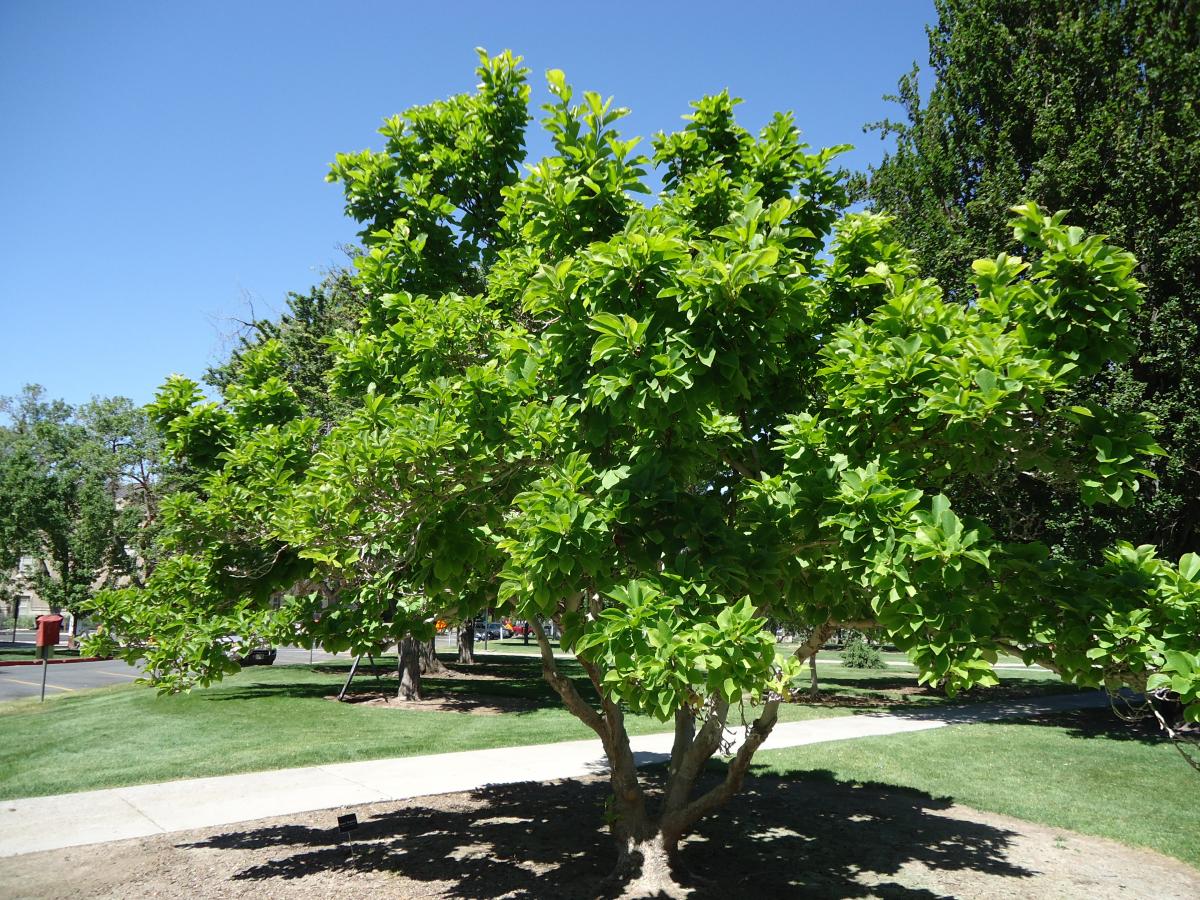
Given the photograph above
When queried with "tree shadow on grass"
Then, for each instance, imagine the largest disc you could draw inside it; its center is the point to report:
(1103, 722)
(969, 708)
(516, 695)
(806, 836)
(267, 690)
(488, 667)
(873, 681)
(891, 690)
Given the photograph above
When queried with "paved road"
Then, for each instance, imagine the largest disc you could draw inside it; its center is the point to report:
(293, 655)
(63, 678)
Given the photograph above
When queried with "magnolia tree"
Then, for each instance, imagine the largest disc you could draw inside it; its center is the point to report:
(661, 424)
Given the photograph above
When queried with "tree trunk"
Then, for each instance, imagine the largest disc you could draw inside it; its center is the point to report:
(644, 869)
(646, 846)
(644, 852)
(814, 689)
(466, 642)
(430, 664)
(408, 668)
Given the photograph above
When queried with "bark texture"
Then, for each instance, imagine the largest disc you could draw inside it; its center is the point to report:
(408, 668)
(466, 642)
(430, 664)
(644, 869)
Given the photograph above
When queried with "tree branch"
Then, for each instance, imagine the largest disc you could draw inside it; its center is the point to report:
(1044, 661)
(676, 822)
(738, 467)
(565, 688)
(815, 641)
(631, 799)
(686, 766)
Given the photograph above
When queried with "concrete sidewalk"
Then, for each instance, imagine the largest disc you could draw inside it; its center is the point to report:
(68, 820)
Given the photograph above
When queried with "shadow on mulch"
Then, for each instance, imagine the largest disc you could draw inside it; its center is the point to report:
(809, 836)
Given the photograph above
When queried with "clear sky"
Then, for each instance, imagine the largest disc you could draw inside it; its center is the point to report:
(162, 163)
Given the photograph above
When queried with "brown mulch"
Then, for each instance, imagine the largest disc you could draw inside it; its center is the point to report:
(435, 700)
(802, 838)
(448, 671)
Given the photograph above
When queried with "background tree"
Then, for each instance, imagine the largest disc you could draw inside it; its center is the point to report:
(302, 334)
(123, 443)
(1091, 106)
(77, 490)
(662, 427)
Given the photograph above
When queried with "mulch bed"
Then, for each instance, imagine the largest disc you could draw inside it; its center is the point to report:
(811, 837)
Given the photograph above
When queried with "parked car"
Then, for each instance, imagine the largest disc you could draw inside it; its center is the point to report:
(551, 630)
(259, 655)
(492, 631)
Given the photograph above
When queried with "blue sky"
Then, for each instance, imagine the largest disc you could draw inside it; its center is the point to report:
(162, 163)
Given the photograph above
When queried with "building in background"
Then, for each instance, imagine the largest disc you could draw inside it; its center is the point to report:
(19, 597)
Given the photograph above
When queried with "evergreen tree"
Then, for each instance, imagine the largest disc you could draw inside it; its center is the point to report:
(1092, 106)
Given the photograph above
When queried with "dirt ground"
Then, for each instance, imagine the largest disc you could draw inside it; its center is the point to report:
(799, 838)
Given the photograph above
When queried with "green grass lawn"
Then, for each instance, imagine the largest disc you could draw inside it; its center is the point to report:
(1083, 771)
(262, 718)
(513, 645)
(277, 717)
(889, 656)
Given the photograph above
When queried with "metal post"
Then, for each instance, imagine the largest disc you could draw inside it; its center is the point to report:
(353, 668)
(45, 665)
(16, 612)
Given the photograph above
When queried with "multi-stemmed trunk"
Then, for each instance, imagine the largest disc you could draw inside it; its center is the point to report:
(647, 840)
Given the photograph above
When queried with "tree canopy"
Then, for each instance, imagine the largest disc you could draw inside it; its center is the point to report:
(661, 423)
(1089, 106)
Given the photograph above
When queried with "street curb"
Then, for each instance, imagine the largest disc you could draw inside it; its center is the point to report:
(53, 662)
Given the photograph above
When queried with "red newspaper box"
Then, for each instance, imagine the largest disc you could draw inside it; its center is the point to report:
(47, 630)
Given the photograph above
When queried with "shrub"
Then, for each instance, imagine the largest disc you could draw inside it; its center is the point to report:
(858, 654)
